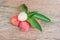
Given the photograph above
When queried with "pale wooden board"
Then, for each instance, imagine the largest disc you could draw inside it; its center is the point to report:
(50, 8)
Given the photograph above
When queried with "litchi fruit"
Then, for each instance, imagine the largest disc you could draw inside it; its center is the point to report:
(22, 16)
(14, 20)
(24, 26)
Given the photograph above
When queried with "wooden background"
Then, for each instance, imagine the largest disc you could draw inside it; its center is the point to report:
(50, 8)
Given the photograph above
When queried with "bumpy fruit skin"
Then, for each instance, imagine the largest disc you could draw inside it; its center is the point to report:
(24, 26)
(14, 20)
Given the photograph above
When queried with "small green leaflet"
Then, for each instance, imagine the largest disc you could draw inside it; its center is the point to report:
(30, 14)
(39, 16)
(23, 8)
(34, 24)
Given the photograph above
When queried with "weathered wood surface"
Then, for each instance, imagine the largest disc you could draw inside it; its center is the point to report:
(50, 8)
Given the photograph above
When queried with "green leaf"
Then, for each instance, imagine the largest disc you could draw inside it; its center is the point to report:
(23, 8)
(34, 24)
(42, 17)
(30, 14)
(39, 16)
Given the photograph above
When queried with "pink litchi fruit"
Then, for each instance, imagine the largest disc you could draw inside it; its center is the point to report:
(38, 21)
(24, 26)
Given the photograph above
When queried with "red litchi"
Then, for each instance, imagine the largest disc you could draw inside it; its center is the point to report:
(14, 20)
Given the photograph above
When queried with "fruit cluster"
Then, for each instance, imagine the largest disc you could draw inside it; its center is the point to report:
(24, 20)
